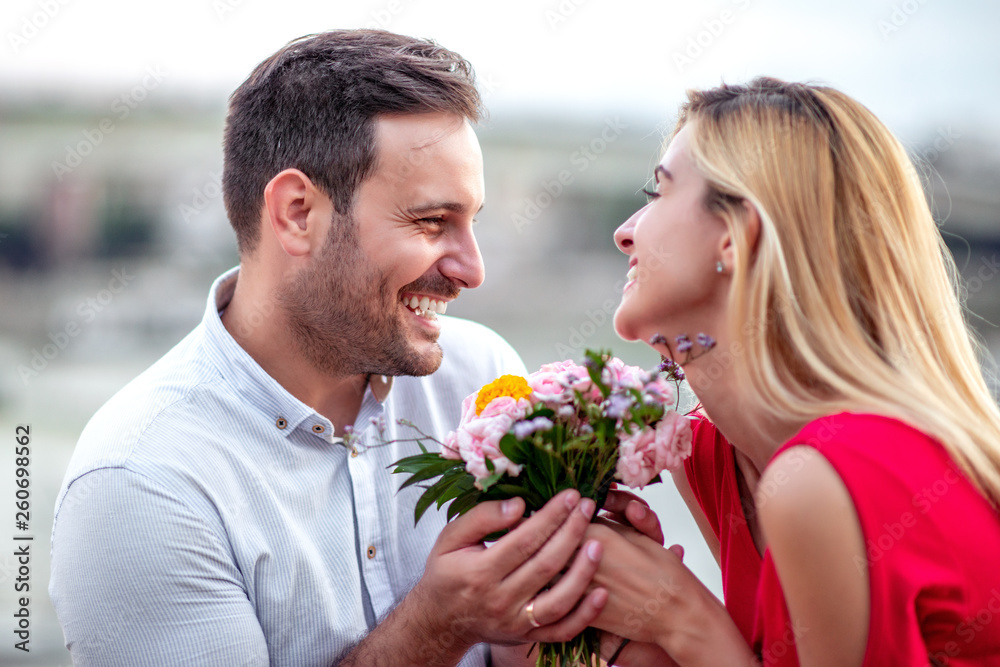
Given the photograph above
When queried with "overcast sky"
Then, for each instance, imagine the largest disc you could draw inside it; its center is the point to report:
(919, 64)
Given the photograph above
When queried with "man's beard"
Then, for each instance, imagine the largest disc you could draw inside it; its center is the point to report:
(343, 316)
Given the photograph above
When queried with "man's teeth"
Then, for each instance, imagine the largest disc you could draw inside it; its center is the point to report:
(425, 306)
(633, 272)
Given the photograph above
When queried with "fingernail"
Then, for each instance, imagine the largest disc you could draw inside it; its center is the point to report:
(571, 499)
(594, 551)
(587, 506)
(640, 511)
(507, 507)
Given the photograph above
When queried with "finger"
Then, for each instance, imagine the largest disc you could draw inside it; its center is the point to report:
(550, 606)
(548, 559)
(519, 545)
(574, 623)
(617, 501)
(677, 550)
(644, 520)
(483, 519)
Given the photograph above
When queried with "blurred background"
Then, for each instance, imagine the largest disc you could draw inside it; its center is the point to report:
(111, 218)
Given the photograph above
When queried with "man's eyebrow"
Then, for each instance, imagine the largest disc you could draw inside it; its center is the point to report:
(453, 207)
(660, 169)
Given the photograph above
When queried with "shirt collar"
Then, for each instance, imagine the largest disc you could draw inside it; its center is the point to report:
(260, 389)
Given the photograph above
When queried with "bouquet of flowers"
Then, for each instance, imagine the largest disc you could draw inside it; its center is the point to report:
(564, 426)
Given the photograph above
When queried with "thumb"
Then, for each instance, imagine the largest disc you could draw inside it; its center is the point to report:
(470, 528)
(644, 520)
(677, 550)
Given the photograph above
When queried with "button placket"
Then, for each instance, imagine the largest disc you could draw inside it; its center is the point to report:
(369, 479)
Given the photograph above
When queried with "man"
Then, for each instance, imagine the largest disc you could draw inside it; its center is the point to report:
(213, 512)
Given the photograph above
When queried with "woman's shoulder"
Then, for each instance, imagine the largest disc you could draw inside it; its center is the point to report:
(872, 441)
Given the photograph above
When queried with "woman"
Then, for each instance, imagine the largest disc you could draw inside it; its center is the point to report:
(854, 515)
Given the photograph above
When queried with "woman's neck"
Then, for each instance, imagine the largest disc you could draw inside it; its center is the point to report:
(753, 435)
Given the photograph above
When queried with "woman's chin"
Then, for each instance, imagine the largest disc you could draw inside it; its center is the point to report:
(624, 328)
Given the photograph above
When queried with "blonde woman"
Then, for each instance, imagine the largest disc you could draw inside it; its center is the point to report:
(846, 465)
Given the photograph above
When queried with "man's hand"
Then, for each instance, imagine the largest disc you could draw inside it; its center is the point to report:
(478, 594)
(470, 593)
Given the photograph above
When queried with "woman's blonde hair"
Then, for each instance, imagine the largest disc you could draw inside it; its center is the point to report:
(848, 298)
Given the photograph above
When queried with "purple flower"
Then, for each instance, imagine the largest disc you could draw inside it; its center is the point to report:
(617, 405)
(542, 423)
(684, 343)
(523, 429)
(706, 341)
(672, 369)
(566, 411)
(657, 339)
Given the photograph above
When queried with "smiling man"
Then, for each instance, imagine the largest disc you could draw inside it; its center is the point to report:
(214, 513)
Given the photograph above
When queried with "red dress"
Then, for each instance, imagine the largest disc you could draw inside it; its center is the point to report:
(933, 545)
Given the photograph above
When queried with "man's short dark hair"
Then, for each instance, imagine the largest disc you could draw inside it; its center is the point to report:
(312, 106)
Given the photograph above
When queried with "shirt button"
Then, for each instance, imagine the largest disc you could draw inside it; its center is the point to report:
(371, 552)
(281, 422)
(354, 453)
(318, 428)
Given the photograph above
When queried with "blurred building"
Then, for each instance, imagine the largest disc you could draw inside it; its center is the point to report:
(87, 186)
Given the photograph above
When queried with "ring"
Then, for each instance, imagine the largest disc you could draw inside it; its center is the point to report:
(530, 609)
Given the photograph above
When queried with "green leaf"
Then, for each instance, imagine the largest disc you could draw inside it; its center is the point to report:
(491, 480)
(428, 497)
(433, 470)
(464, 503)
(416, 462)
(512, 448)
(462, 483)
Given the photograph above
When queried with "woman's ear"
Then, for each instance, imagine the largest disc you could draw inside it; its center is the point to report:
(750, 228)
(297, 213)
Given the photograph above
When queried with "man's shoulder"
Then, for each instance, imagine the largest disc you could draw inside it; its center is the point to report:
(164, 392)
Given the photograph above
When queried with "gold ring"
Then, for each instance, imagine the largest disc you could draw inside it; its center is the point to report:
(530, 609)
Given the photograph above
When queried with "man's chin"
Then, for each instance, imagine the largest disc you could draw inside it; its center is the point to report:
(419, 360)
(427, 358)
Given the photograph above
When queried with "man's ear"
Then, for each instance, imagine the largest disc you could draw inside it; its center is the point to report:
(749, 227)
(296, 212)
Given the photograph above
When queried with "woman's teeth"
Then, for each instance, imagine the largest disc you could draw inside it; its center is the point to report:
(632, 272)
(425, 306)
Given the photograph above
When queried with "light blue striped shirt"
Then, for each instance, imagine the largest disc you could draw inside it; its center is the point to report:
(208, 517)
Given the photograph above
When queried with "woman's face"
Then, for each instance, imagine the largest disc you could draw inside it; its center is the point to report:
(673, 245)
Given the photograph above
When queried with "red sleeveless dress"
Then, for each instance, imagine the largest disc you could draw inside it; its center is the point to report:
(933, 545)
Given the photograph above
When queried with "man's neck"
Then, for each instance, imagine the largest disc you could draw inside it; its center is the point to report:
(257, 325)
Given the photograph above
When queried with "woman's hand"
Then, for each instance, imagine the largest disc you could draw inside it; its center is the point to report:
(653, 598)
(630, 510)
(635, 654)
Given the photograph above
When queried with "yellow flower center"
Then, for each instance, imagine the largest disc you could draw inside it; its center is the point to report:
(514, 386)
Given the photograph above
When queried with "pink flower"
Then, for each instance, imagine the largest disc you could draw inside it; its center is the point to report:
(617, 374)
(477, 437)
(661, 389)
(552, 381)
(645, 454)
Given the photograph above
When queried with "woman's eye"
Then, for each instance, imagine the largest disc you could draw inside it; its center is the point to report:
(650, 194)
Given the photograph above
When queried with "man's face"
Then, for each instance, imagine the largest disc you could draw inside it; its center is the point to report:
(359, 308)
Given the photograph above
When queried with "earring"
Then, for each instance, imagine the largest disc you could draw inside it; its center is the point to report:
(719, 267)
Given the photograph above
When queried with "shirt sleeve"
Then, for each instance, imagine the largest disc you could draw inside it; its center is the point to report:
(139, 578)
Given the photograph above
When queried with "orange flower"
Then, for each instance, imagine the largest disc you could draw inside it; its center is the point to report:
(514, 386)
